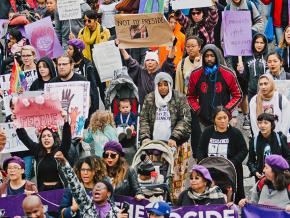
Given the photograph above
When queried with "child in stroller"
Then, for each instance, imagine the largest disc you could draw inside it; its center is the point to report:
(149, 178)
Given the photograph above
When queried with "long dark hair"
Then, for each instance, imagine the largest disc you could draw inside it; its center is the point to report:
(96, 164)
(219, 109)
(281, 179)
(77, 54)
(118, 171)
(55, 146)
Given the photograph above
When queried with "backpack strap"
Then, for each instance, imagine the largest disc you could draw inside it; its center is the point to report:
(255, 144)
(278, 139)
(280, 102)
(182, 65)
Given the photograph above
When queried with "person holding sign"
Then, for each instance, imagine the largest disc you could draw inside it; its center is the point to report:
(49, 143)
(200, 23)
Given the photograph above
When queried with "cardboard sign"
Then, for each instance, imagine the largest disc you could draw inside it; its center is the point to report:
(283, 87)
(69, 9)
(142, 30)
(237, 33)
(182, 4)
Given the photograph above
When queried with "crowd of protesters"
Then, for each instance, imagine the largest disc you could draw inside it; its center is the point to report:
(188, 92)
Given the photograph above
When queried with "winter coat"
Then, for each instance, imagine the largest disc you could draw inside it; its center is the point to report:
(29, 186)
(179, 115)
(283, 75)
(257, 156)
(277, 11)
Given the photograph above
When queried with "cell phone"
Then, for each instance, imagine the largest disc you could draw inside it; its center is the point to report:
(125, 207)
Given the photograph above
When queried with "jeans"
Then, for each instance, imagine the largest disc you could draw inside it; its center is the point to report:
(28, 160)
(278, 34)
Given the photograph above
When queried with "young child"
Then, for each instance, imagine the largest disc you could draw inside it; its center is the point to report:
(108, 11)
(41, 8)
(125, 120)
(101, 130)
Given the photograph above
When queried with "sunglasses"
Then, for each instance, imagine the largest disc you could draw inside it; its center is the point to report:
(196, 13)
(111, 155)
(88, 20)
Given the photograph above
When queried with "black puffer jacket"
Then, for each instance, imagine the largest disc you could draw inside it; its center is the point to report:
(130, 185)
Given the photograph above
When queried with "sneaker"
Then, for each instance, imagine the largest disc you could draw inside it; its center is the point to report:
(246, 123)
(129, 132)
(122, 136)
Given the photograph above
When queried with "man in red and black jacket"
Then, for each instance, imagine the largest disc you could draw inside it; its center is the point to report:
(212, 85)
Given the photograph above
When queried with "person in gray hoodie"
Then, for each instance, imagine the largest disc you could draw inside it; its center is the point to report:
(63, 28)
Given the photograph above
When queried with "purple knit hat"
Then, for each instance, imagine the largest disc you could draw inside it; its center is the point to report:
(203, 171)
(277, 162)
(79, 44)
(114, 146)
(13, 159)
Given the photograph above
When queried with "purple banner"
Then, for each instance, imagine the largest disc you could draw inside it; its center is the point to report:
(43, 38)
(237, 33)
(256, 211)
(12, 207)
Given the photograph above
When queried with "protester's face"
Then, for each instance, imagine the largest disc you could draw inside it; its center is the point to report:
(264, 86)
(41, 2)
(172, 23)
(197, 16)
(70, 50)
(111, 158)
(209, 58)
(151, 65)
(153, 215)
(259, 44)
(163, 88)
(90, 23)
(100, 193)
(237, 2)
(197, 182)
(12, 40)
(47, 139)
(14, 171)
(50, 5)
(87, 174)
(125, 107)
(265, 127)
(192, 48)
(34, 210)
(27, 57)
(221, 120)
(274, 64)
(268, 172)
(64, 67)
(43, 70)
(107, 1)
(287, 35)
(12, 108)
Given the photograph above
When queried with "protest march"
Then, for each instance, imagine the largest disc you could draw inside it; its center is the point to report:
(144, 108)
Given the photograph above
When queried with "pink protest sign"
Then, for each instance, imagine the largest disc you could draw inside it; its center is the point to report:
(37, 111)
(43, 38)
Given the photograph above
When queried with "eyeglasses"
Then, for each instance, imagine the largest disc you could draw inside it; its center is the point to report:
(111, 155)
(88, 20)
(196, 13)
(86, 170)
(26, 56)
(62, 64)
(13, 168)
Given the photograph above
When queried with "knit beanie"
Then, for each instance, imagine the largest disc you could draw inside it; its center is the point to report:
(146, 166)
(151, 55)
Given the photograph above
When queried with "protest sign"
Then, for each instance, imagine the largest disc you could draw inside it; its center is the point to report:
(142, 30)
(37, 111)
(42, 37)
(74, 98)
(69, 9)
(237, 33)
(151, 6)
(107, 59)
(182, 4)
(255, 210)
(283, 87)
(13, 143)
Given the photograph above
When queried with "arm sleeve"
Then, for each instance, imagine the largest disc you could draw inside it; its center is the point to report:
(66, 139)
(285, 148)
(27, 141)
(192, 97)
(253, 116)
(202, 148)
(252, 161)
(241, 145)
(179, 81)
(254, 195)
(212, 19)
(183, 20)
(236, 93)
(58, 27)
(258, 24)
(285, 123)
(169, 67)
(134, 184)
(134, 69)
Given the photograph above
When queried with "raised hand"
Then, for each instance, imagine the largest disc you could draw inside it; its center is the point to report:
(66, 99)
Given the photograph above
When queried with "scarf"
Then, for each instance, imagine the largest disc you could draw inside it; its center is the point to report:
(90, 39)
(103, 210)
(209, 193)
(267, 97)
(159, 100)
(210, 70)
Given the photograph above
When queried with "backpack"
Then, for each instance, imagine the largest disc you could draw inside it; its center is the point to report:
(250, 8)
(278, 139)
(261, 184)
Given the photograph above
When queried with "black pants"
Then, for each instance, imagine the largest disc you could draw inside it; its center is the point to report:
(195, 133)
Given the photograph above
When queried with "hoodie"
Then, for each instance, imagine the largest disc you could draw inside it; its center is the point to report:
(256, 65)
(38, 84)
(206, 92)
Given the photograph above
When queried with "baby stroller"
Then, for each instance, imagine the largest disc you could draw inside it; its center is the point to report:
(123, 87)
(223, 174)
(160, 178)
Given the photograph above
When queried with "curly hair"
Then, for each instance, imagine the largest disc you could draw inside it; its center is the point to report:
(100, 119)
(97, 166)
(118, 171)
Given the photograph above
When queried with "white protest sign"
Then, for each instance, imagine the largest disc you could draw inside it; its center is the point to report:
(69, 9)
(182, 4)
(13, 143)
(107, 59)
(283, 87)
(75, 100)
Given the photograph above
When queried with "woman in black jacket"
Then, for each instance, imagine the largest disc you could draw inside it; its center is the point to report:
(266, 143)
(124, 178)
(49, 143)
(223, 140)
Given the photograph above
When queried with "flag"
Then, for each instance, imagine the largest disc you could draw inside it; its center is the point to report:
(17, 79)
